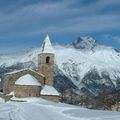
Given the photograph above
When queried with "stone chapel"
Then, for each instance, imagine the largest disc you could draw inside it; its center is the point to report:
(34, 83)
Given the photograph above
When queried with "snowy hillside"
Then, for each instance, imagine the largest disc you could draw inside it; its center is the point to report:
(85, 62)
(39, 109)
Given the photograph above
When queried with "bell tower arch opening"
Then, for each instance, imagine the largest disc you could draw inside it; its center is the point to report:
(47, 60)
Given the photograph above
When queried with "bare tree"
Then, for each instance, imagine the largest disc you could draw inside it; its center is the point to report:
(62, 90)
(104, 100)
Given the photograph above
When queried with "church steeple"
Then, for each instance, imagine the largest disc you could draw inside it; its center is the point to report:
(47, 46)
(46, 61)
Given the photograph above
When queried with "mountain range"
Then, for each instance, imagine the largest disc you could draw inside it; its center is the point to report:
(84, 65)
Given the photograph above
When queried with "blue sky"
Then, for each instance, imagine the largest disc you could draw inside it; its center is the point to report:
(25, 23)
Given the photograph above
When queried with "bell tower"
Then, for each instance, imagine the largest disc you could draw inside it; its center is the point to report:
(46, 61)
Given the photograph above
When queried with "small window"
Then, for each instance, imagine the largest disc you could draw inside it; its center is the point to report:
(1, 90)
(44, 81)
(47, 59)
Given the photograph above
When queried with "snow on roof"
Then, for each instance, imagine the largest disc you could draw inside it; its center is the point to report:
(16, 71)
(26, 69)
(47, 46)
(27, 80)
(11, 93)
(49, 90)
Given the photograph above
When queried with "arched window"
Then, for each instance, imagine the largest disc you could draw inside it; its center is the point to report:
(47, 59)
(44, 81)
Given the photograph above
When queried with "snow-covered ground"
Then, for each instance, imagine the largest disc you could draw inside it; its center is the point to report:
(39, 109)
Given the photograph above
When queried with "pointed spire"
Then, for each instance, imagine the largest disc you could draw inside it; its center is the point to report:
(47, 46)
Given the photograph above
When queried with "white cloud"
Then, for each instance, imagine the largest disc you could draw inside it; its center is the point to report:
(60, 18)
(113, 38)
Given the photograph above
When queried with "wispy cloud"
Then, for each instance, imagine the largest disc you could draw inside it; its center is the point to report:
(59, 17)
(113, 38)
(34, 17)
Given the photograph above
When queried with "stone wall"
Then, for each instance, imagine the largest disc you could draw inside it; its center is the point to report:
(46, 68)
(7, 97)
(27, 91)
(10, 79)
(53, 98)
(1, 94)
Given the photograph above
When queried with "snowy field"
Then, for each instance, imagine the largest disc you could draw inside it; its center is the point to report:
(39, 109)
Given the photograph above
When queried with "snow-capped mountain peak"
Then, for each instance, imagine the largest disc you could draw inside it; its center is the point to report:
(86, 43)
